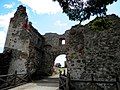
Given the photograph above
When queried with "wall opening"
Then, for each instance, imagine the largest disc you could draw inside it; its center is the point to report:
(59, 64)
(60, 59)
(61, 41)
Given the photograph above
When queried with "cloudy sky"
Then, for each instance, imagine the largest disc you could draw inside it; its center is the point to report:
(45, 15)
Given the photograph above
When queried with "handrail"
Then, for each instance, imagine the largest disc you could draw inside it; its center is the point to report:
(13, 80)
(9, 75)
(62, 85)
(62, 81)
(63, 77)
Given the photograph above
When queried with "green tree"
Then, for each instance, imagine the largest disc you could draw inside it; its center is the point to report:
(80, 10)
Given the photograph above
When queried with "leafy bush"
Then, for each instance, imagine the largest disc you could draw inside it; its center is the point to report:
(100, 24)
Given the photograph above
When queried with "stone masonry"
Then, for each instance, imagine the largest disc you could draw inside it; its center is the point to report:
(52, 48)
(93, 49)
(25, 42)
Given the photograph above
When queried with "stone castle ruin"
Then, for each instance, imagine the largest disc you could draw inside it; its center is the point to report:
(93, 49)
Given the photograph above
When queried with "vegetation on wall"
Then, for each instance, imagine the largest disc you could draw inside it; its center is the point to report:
(100, 24)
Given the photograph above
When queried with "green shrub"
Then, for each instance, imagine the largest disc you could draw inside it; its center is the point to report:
(100, 24)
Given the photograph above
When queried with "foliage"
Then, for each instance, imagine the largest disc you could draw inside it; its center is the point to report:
(100, 24)
(80, 10)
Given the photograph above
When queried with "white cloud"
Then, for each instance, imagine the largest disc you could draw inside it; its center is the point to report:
(60, 24)
(43, 6)
(5, 19)
(2, 38)
(4, 23)
(9, 5)
(88, 20)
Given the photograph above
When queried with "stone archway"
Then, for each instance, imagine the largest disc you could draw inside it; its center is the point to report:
(55, 45)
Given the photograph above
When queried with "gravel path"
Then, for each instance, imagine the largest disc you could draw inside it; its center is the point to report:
(51, 83)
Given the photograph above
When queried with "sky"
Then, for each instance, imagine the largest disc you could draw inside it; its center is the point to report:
(60, 59)
(45, 15)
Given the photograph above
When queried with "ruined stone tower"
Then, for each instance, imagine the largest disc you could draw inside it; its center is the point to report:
(25, 42)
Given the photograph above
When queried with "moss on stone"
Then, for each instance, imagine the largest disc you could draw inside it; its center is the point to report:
(74, 56)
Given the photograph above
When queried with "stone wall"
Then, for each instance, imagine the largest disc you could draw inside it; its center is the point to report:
(75, 55)
(5, 59)
(94, 49)
(25, 42)
(52, 48)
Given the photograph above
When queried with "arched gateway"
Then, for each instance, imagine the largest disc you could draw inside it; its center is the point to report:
(55, 45)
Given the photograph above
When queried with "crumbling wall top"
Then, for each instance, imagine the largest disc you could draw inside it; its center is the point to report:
(20, 11)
